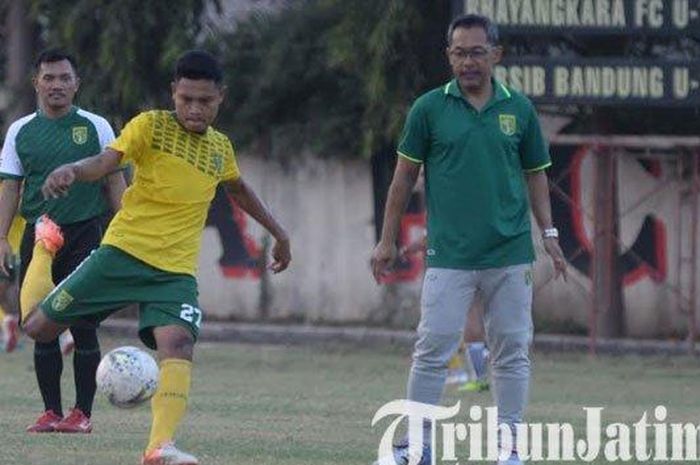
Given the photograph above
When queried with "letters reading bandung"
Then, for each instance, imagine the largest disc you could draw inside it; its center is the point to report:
(604, 82)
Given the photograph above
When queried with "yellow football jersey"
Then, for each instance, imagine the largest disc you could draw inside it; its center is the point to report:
(175, 177)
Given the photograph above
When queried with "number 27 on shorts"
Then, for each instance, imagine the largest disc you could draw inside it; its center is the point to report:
(191, 314)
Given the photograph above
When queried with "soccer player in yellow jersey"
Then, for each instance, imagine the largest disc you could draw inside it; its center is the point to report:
(8, 289)
(149, 252)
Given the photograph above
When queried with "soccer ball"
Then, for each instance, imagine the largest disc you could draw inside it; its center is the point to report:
(128, 376)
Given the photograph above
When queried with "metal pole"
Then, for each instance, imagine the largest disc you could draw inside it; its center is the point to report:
(678, 211)
(598, 288)
(616, 289)
(607, 282)
(695, 191)
(593, 311)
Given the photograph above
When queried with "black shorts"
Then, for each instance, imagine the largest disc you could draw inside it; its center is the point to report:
(80, 239)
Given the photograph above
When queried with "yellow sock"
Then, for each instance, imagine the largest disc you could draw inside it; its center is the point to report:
(2, 313)
(170, 400)
(455, 362)
(38, 282)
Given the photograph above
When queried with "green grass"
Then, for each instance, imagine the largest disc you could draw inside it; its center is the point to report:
(310, 405)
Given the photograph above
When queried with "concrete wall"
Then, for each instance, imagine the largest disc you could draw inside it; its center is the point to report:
(327, 207)
(654, 220)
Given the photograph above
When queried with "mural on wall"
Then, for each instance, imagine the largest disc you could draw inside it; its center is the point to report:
(241, 252)
(645, 258)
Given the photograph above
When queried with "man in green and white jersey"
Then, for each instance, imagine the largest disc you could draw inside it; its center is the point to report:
(36, 144)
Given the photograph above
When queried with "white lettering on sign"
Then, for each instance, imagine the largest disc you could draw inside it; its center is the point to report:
(654, 15)
(530, 80)
(649, 13)
(622, 82)
(571, 13)
(681, 13)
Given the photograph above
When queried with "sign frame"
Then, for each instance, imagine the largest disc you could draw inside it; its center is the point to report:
(588, 17)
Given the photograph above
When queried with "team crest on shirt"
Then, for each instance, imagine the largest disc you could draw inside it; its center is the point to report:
(218, 162)
(61, 301)
(507, 123)
(80, 134)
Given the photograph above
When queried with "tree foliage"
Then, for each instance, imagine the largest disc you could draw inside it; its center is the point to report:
(281, 86)
(125, 49)
(338, 77)
(332, 76)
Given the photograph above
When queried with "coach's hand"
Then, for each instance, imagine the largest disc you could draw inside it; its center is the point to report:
(5, 255)
(282, 253)
(551, 245)
(59, 181)
(383, 258)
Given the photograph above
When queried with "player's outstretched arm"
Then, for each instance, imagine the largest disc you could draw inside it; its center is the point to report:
(400, 190)
(87, 170)
(246, 198)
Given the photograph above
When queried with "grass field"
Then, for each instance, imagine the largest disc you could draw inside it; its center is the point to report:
(310, 405)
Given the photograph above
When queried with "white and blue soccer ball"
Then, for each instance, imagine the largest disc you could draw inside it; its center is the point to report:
(128, 376)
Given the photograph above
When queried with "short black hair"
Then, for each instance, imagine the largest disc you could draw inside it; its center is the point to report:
(473, 20)
(198, 64)
(52, 55)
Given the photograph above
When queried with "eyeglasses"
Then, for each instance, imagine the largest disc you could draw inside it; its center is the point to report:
(476, 54)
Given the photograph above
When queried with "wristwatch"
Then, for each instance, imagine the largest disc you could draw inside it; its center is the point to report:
(550, 232)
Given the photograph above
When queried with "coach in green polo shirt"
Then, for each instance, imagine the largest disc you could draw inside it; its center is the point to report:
(484, 156)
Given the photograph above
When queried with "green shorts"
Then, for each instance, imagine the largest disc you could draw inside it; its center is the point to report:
(110, 279)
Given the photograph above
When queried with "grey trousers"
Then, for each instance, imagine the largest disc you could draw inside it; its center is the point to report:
(446, 299)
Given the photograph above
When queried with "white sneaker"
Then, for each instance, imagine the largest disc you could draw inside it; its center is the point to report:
(10, 333)
(402, 456)
(456, 376)
(168, 454)
(65, 340)
(512, 460)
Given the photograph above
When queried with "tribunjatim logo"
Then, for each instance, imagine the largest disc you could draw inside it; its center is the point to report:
(652, 438)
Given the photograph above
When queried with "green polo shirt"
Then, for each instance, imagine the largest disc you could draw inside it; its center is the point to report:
(36, 145)
(477, 199)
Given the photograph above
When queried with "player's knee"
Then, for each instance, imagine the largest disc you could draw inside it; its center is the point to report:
(174, 343)
(40, 328)
(33, 327)
(510, 350)
(178, 347)
(433, 350)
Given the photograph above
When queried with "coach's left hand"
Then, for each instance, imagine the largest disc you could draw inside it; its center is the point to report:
(551, 245)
